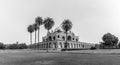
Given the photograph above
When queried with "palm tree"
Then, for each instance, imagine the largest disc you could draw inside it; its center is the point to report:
(30, 30)
(39, 22)
(35, 28)
(48, 24)
(66, 26)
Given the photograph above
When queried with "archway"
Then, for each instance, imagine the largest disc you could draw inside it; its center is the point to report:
(63, 38)
(50, 38)
(69, 38)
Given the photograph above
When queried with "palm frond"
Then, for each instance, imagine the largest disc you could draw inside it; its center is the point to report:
(48, 23)
(35, 26)
(39, 21)
(30, 28)
(66, 25)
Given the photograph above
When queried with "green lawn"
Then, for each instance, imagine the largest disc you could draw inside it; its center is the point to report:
(82, 57)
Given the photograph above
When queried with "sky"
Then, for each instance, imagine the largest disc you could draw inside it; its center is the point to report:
(91, 18)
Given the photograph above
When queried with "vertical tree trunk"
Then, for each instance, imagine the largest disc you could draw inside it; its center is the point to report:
(38, 35)
(66, 41)
(48, 31)
(35, 36)
(38, 38)
(47, 41)
(31, 38)
(35, 39)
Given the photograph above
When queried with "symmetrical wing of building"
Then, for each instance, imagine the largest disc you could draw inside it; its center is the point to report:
(56, 40)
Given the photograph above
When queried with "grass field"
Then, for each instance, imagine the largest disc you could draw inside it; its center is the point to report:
(81, 57)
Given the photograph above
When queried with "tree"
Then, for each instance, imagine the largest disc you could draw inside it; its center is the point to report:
(109, 39)
(13, 46)
(48, 24)
(30, 30)
(2, 46)
(17, 46)
(22, 46)
(36, 27)
(66, 26)
(39, 21)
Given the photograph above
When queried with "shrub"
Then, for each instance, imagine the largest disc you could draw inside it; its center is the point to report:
(17, 46)
(92, 48)
(2, 46)
(22, 46)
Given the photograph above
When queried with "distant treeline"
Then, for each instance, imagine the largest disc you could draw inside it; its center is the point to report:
(13, 46)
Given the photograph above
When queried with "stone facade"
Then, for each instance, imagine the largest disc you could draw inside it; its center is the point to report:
(56, 40)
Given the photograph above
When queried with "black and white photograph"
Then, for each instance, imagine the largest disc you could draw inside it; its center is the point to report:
(59, 32)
